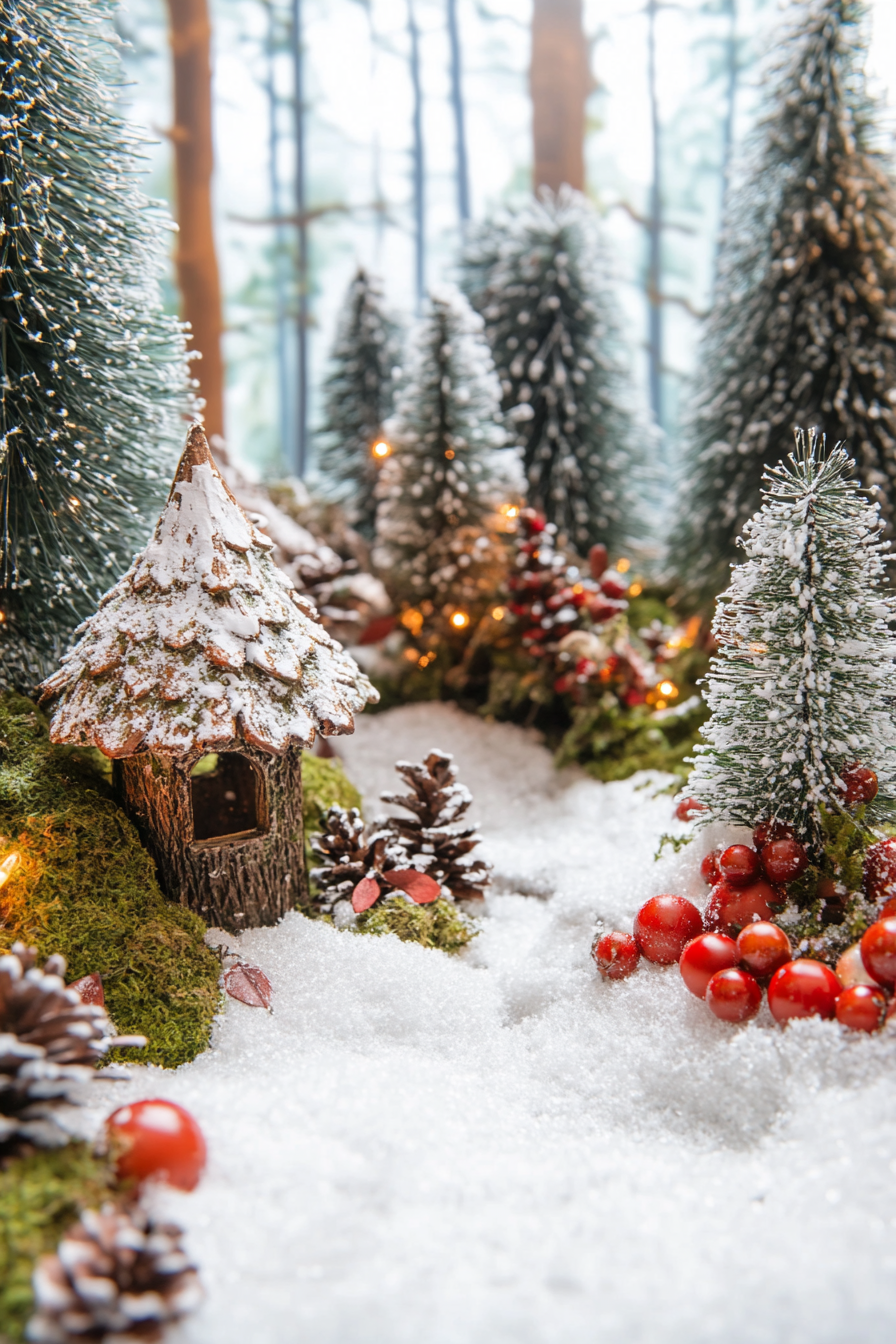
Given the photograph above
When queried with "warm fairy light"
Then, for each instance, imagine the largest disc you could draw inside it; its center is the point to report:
(411, 655)
(498, 613)
(623, 565)
(509, 510)
(660, 704)
(381, 449)
(2, 617)
(6, 868)
(426, 658)
(75, 503)
(636, 590)
(449, 453)
(460, 619)
(668, 688)
(412, 620)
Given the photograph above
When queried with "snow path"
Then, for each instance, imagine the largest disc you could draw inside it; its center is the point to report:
(501, 1148)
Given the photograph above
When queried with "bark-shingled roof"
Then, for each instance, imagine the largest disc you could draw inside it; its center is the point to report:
(204, 640)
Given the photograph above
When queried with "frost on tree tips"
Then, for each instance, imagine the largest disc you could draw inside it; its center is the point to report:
(804, 684)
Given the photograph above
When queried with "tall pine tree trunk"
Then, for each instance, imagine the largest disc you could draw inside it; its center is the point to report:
(195, 257)
(298, 56)
(419, 173)
(457, 103)
(560, 83)
(654, 284)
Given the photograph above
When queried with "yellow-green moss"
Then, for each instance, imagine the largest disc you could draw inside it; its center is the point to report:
(85, 887)
(439, 925)
(324, 785)
(40, 1196)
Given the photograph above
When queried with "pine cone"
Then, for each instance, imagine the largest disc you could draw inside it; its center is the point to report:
(349, 853)
(49, 1044)
(435, 842)
(116, 1276)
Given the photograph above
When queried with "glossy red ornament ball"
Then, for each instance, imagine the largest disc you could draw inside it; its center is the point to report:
(862, 1008)
(850, 969)
(763, 947)
(803, 988)
(767, 831)
(879, 871)
(784, 860)
(663, 926)
(709, 868)
(616, 955)
(860, 784)
(731, 909)
(879, 951)
(688, 808)
(703, 956)
(739, 865)
(157, 1138)
(888, 908)
(734, 995)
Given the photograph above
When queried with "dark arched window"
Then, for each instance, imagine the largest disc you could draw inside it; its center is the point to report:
(227, 794)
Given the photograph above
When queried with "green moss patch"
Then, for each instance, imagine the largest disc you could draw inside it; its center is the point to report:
(439, 925)
(85, 887)
(40, 1196)
(324, 785)
(611, 742)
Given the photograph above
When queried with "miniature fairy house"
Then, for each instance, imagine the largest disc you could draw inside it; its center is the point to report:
(203, 675)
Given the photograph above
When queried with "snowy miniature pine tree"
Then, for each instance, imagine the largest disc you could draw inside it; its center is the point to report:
(551, 328)
(804, 684)
(94, 378)
(359, 396)
(435, 538)
(804, 319)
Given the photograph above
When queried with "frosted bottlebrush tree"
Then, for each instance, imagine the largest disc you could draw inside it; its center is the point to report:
(359, 395)
(804, 319)
(94, 379)
(804, 684)
(533, 276)
(434, 525)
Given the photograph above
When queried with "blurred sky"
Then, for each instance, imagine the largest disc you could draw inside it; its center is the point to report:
(359, 135)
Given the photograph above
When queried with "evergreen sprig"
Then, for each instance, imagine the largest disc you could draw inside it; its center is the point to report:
(804, 683)
(93, 374)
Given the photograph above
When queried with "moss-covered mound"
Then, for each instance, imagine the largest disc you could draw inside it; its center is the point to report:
(40, 1196)
(84, 886)
(612, 742)
(439, 925)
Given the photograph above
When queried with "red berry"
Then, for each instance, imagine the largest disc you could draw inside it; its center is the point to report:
(763, 947)
(598, 559)
(613, 585)
(879, 873)
(860, 784)
(663, 925)
(888, 908)
(803, 988)
(616, 955)
(879, 951)
(731, 909)
(601, 609)
(784, 860)
(702, 957)
(733, 995)
(850, 969)
(739, 865)
(767, 831)
(861, 1008)
(157, 1138)
(709, 868)
(688, 808)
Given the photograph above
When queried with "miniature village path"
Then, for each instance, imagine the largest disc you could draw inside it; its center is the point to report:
(502, 1149)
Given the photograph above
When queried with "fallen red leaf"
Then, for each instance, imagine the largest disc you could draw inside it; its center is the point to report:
(90, 988)
(365, 894)
(418, 886)
(248, 984)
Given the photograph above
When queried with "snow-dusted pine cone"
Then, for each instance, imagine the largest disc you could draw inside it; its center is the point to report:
(436, 841)
(116, 1276)
(49, 1043)
(348, 852)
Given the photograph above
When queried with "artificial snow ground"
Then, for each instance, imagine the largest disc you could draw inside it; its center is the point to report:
(501, 1147)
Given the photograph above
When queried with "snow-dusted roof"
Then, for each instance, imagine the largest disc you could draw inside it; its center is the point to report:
(204, 640)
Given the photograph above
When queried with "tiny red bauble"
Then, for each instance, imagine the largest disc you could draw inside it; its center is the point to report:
(784, 860)
(157, 1138)
(703, 956)
(613, 585)
(598, 559)
(888, 908)
(860, 784)
(763, 947)
(850, 969)
(879, 872)
(734, 995)
(616, 955)
(731, 909)
(879, 951)
(663, 926)
(688, 808)
(709, 868)
(739, 865)
(861, 1008)
(767, 831)
(803, 988)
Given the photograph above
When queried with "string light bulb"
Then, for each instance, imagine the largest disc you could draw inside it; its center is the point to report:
(668, 688)
(459, 620)
(6, 868)
(381, 449)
